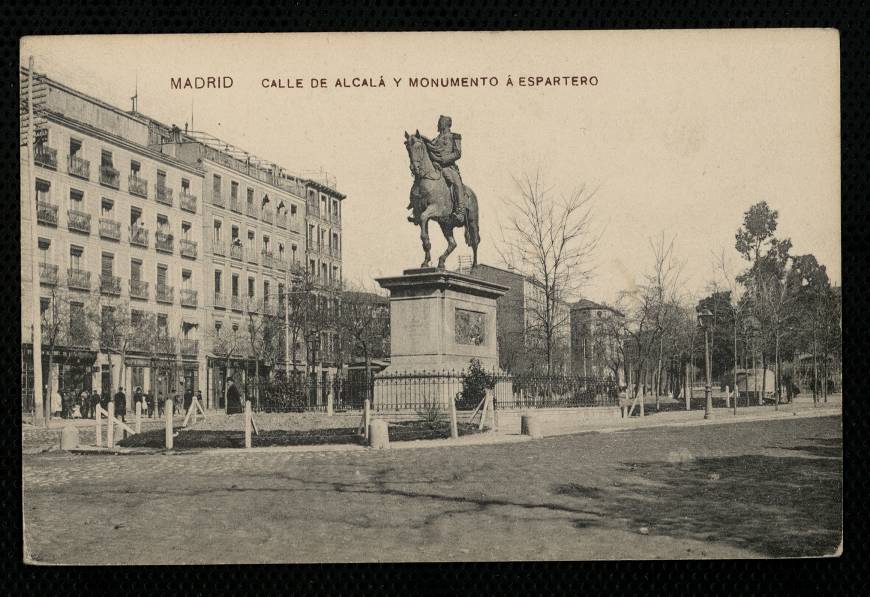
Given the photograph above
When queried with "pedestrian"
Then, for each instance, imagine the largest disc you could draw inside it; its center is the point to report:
(199, 398)
(149, 403)
(121, 404)
(56, 403)
(234, 399)
(105, 398)
(188, 399)
(137, 399)
(161, 400)
(93, 402)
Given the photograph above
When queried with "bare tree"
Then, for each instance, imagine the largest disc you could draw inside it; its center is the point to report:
(549, 239)
(262, 333)
(364, 324)
(117, 330)
(227, 342)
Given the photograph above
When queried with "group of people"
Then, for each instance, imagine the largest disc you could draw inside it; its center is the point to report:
(71, 404)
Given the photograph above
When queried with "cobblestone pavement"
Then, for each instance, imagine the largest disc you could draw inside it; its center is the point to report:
(757, 489)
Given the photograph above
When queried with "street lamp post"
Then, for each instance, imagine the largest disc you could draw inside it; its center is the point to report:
(705, 318)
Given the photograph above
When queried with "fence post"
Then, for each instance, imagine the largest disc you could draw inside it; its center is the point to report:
(454, 428)
(110, 426)
(727, 396)
(494, 416)
(366, 416)
(138, 417)
(329, 403)
(247, 423)
(167, 412)
(98, 419)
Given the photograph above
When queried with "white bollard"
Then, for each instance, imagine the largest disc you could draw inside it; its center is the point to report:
(110, 426)
(98, 419)
(247, 423)
(167, 411)
(69, 438)
(138, 417)
(329, 404)
(727, 396)
(529, 426)
(454, 428)
(380, 435)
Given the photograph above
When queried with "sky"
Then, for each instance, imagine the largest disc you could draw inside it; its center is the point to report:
(681, 134)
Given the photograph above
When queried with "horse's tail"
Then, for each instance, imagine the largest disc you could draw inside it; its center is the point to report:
(472, 220)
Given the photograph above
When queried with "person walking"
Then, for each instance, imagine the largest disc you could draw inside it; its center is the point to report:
(161, 400)
(137, 399)
(234, 399)
(149, 404)
(56, 403)
(188, 399)
(199, 399)
(120, 400)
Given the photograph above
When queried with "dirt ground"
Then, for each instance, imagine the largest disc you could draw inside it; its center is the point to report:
(748, 490)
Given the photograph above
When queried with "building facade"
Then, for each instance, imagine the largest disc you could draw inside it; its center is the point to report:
(595, 350)
(119, 228)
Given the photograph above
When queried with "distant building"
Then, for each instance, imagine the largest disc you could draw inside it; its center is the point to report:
(595, 341)
(518, 322)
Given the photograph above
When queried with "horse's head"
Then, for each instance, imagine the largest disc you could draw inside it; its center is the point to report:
(417, 153)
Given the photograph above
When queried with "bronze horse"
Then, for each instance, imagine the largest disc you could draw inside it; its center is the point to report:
(431, 200)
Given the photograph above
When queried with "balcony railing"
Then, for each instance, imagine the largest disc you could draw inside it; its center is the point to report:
(163, 195)
(236, 303)
(251, 305)
(219, 300)
(280, 264)
(79, 221)
(110, 177)
(45, 156)
(188, 202)
(137, 186)
(77, 166)
(267, 216)
(235, 205)
(110, 285)
(237, 252)
(218, 248)
(252, 256)
(110, 229)
(165, 294)
(78, 279)
(281, 220)
(46, 213)
(218, 199)
(189, 346)
(139, 236)
(139, 289)
(164, 242)
(295, 227)
(336, 219)
(166, 345)
(188, 297)
(187, 248)
(48, 274)
(252, 211)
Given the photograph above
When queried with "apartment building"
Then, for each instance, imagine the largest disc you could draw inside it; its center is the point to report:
(119, 228)
(595, 333)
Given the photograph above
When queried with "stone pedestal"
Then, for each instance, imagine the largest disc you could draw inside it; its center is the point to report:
(439, 321)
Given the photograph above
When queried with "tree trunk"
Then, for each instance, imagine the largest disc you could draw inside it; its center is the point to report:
(736, 357)
(47, 399)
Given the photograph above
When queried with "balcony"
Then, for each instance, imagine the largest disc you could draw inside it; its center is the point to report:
(251, 305)
(189, 347)
(218, 199)
(236, 303)
(187, 248)
(137, 186)
(166, 345)
(165, 294)
(336, 219)
(77, 166)
(252, 256)
(252, 211)
(281, 220)
(110, 285)
(110, 229)
(139, 236)
(163, 195)
(45, 157)
(267, 259)
(237, 252)
(267, 216)
(46, 213)
(235, 205)
(78, 279)
(188, 297)
(218, 248)
(48, 274)
(79, 221)
(110, 177)
(139, 289)
(164, 242)
(188, 202)
(219, 301)
(280, 264)
(295, 226)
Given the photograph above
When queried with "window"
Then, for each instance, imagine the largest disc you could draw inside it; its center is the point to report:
(135, 168)
(43, 191)
(135, 216)
(265, 243)
(218, 278)
(217, 326)
(75, 257)
(136, 270)
(218, 235)
(75, 146)
(162, 325)
(292, 211)
(312, 268)
(216, 185)
(185, 230)
(161, 179)
(106, 207)
(162, 275)
(106, 159)
(281, 251)
(41, 139)
(252, 288)
(323, 208)
(107, 323)
(186, 278)
(76, 317)
(76, 200)
(234, 191)
(293, 249)
(235, 283)
(250, 240)
(185, 186)
(310, 234)
(234, 233)
(162, 224)
(44, 305)
(107, 264)
(266, 292)
(44, 248)
(250, 201)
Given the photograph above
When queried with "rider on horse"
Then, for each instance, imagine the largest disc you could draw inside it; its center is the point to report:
(444, 151)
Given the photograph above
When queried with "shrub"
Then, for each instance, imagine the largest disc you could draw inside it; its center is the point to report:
(475, 384)
(432, 415)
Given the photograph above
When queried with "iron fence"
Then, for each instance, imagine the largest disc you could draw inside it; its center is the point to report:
(556, 392)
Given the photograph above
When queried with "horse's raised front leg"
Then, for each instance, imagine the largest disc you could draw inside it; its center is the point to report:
(451, 244)
(424, 238)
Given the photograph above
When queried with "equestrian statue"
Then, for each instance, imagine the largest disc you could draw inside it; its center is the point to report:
(438, 192)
